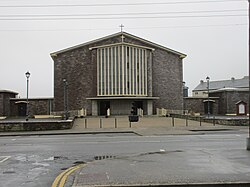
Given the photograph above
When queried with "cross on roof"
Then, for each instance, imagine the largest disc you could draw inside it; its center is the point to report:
(121, 27)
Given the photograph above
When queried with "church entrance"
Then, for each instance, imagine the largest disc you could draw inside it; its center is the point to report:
(103, 107)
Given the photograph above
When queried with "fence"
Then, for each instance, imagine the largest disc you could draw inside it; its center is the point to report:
(72, 113)
(168, 112)
(150, 122)
(214, 120)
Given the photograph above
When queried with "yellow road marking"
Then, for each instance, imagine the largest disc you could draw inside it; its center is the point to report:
(63, 180)
(64, 175)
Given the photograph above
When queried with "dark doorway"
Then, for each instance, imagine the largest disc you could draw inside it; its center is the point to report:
(137, 104)
(22, 107)
(210, 107)
(103, 107)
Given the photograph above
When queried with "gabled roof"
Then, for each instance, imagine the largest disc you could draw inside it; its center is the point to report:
(218, 85)
(120, 34)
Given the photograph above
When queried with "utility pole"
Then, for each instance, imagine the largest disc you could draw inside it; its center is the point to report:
(248, 139)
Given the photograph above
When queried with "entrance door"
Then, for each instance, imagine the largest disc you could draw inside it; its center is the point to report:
(103, 107)
(210, 107)
(22, 107)
(138, 104)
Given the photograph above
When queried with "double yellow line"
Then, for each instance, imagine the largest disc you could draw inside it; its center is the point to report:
(61, 179)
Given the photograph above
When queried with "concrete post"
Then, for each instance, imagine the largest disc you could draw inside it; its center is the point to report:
(94, 108)
(150, 107)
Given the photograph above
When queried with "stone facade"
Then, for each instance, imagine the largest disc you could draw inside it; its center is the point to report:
(5, 97)
(78, 65)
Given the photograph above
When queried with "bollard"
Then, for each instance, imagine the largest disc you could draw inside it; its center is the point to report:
(200, 121)
(115, 123)
(100, 122)
(186, 120)
(85, 122)
(129, 124)
(214, 121)
(173, 121)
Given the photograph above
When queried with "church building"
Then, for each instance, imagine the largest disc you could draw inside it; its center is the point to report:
(117, 72)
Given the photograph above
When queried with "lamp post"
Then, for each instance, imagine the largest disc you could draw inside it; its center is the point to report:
(248, 139)
(65, 92)
(27, 74)
(208, 107)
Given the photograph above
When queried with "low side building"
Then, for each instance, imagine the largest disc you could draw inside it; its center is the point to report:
(228, 99)
(224, 97)
(5, 96)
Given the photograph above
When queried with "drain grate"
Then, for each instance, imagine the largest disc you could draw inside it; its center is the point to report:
(104, 157)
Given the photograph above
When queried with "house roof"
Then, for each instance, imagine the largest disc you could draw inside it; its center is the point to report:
(8, 91)
(224, 84)
(182, 55)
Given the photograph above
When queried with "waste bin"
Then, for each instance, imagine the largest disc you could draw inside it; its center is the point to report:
(133, 118)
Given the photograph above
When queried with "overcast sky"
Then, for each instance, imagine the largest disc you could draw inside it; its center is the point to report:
(213, 34)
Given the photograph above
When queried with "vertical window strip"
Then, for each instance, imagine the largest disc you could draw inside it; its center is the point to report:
(102, 71)
(136, 66)
(142, 72)
(146, 74)
(107, 71)
(123, 71)
(115, 72)
(111, 71)
(98, 70)
(119, 70)
(127, 70)
(130, 70)
(139, 72)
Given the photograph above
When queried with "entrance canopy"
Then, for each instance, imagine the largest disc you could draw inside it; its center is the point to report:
(121, 105)
(125, 97)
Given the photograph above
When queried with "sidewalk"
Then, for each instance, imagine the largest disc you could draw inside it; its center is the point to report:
(147, 126)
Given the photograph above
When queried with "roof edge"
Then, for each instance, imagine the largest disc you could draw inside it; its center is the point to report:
(182, 55)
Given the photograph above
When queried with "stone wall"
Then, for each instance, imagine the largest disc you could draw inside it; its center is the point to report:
(6, 126)
(167, 80)
(196, 105)
(40, 106)
(228, 100)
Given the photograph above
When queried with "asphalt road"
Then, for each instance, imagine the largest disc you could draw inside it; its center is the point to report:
(37, 160)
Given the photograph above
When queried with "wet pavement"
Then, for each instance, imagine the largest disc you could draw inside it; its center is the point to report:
(147, 153)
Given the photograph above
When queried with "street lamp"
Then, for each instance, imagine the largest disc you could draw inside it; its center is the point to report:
(65, 92)
(208, 107)
(27, 74)
(248, 139)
